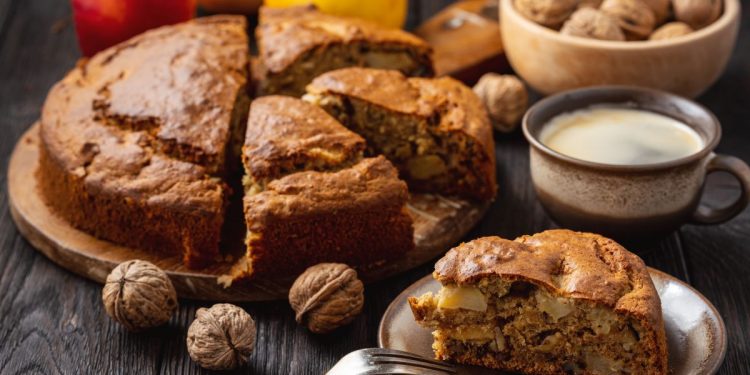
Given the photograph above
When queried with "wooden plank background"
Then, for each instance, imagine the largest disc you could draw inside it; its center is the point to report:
(52, 321)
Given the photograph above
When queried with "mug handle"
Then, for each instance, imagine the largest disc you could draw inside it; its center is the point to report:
(740, 170)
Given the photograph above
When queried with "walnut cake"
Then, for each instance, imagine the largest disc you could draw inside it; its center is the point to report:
(297, 44)
(144, 143)
(552, 303)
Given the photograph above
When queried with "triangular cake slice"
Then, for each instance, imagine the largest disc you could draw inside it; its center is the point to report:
(434, 130)
(310, 197)
(355, 216)
(136, 140)
(297, 44)
(557, 302)
(287, 135)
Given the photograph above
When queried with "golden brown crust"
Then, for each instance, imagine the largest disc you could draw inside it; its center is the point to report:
(137, 131)
(284, 131)
(573, 264)
(355, 216)
(457, 107)
(387, 88)
(570, 264)
(285, 34)
(176, 82)
(373, 182)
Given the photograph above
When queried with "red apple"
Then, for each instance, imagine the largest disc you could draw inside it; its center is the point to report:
(103, 23)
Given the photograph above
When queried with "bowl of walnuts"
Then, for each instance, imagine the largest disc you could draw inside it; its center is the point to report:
(681, 46)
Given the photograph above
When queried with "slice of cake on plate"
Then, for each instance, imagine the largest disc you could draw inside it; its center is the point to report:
(556, 302)
(136, 140)
(310, 197)
(299, 43)
(434, 130)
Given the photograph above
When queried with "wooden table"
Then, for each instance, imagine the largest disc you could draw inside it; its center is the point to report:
(52, 321)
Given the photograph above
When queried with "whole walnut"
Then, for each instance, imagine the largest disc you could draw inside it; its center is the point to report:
(550, 13)
(697, 13)
(327, 296)
(592, 23)
(221, 337)
(505, 98)
(671, 30)
(589, 4)
(635, 18)
(139, 295)
(661, 9)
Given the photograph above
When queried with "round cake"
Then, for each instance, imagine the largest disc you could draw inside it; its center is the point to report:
(141, 145)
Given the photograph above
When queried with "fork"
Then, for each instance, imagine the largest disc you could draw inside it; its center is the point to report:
(375, 361)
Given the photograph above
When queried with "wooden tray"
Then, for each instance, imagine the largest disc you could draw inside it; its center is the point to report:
(439, 223)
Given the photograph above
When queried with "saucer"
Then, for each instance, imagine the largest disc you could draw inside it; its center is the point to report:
(696, 337)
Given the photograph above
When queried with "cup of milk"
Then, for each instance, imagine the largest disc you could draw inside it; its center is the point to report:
(627, 162)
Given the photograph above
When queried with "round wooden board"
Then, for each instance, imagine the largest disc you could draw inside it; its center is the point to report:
(439, 223)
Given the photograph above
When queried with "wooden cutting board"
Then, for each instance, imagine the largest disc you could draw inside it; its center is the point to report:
(466, 39)
(439, 223)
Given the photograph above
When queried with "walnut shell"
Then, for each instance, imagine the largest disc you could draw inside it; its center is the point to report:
(505, 98)
(221, 337)
(635, 18)
(697, 13)
(671, 30)
(589, 4)
(592, 23)
(661, 9)
(550, 13)
(327, 296)
(139, 295)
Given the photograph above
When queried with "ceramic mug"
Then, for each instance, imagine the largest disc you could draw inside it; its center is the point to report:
(630, 201)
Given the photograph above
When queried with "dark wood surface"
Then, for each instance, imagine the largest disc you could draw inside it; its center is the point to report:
(52, 321)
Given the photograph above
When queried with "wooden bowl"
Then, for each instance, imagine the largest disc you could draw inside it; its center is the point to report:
(552, 62)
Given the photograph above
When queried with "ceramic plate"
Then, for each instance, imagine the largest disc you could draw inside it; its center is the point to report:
(695, 332)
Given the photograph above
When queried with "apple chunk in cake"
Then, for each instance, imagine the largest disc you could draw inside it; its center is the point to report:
(558, 302)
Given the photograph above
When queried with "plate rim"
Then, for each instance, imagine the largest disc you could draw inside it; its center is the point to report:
(721, 341)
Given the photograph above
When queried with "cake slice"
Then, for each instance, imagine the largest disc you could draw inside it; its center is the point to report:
(557, 302)
(297, 44)
(434, 130)
(356, 216)
(310, 197)
(287, 135)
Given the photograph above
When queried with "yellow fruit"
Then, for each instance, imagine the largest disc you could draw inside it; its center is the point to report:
(390, 13)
